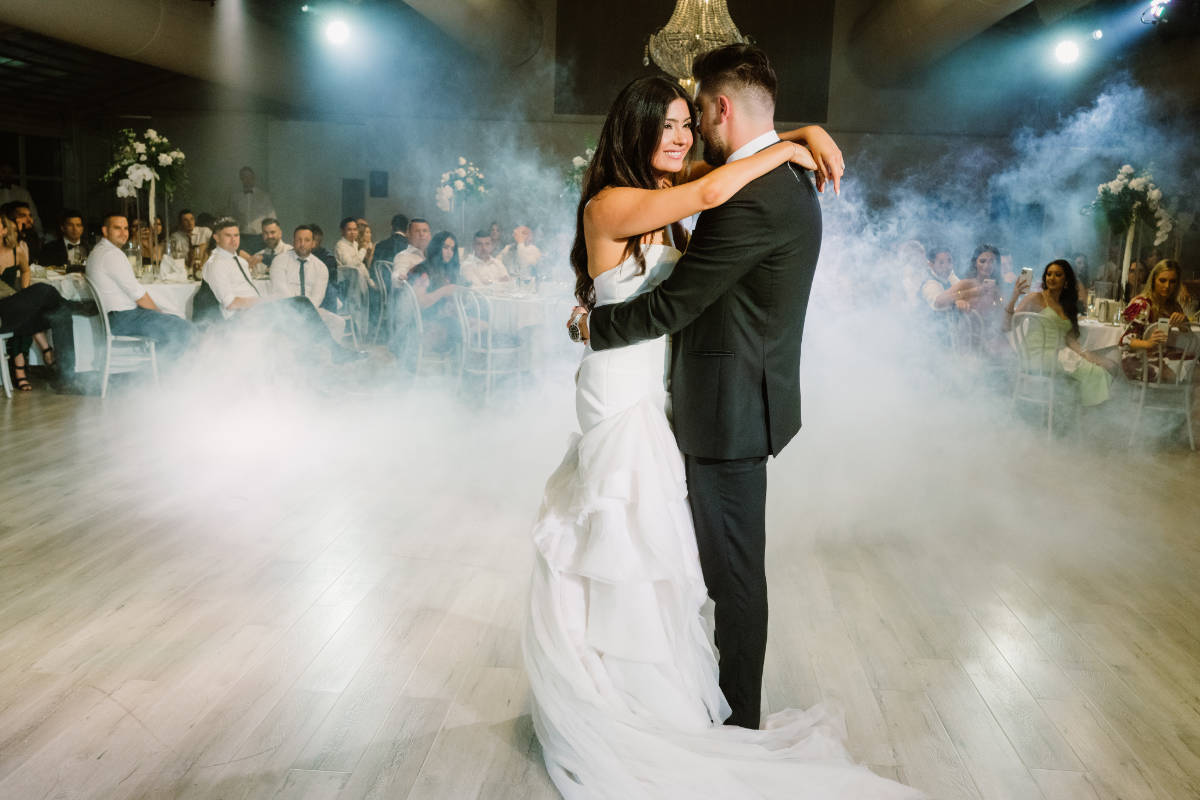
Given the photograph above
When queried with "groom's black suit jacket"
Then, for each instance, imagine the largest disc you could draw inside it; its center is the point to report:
(736, 303)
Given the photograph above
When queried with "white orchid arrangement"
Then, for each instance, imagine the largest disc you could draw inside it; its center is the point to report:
(138, 160)
(579, 165)
(463, 180)
(1131, 196)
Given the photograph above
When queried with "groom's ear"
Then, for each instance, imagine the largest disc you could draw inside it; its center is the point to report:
(724, 107)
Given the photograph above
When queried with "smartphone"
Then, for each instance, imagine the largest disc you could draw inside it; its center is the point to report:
(1027, 272)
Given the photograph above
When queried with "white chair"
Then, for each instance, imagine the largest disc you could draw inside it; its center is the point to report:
(381, 271)
(407, 334)
(1037, 383)
(122, 353)
(353, 301)
(485, 352)
(966, 332)
(8, 387)
(1172, 395)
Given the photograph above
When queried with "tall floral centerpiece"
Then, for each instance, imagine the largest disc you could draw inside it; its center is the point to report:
(458, 185)
(1129, 197)
(573, 179)
(146, 160)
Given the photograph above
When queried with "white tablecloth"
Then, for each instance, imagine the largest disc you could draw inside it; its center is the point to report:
(1096, 335)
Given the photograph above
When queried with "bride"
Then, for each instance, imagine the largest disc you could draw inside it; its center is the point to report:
(626, 701)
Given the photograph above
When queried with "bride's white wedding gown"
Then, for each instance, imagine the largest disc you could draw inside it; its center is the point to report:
(625, 697)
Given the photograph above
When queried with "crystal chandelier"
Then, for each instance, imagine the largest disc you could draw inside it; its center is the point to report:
(695, 27)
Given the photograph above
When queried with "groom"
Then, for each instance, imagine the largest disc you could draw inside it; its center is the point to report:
(735, 304)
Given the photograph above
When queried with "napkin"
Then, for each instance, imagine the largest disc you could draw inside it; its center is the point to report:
(172, 269)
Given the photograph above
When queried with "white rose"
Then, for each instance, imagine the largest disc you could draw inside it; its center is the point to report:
(481, 176)
(483, 190)
(444, 196)
(1156, 194)
(461, 161)
(445, 177)
(125, 188)
(1126, 170)
(458, 186)
(470, 180)
(460, 172)
(139, 148)
(151, 134)
(164, 159)
(579, 161)
(1138, 184)
(177, 155)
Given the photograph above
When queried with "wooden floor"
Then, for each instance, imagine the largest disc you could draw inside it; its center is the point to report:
(325, 602)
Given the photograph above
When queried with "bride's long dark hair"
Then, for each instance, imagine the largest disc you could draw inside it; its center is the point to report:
(631, 134)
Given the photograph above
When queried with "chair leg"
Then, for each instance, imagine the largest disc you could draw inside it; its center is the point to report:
(1187, 415)
(104, 372)
(154, 362)
(1137, 418)
(7, 378)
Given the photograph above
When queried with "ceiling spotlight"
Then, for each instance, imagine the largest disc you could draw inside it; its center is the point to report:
(337, 32)
(1097, 34)
(304, 8)
(1155, 12)
(1067, 52)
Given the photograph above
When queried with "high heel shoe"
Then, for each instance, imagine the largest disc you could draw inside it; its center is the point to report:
(20, 379)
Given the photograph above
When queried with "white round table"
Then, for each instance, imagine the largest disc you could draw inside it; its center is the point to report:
(1096, 335)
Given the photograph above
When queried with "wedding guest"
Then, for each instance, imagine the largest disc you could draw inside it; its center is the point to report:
(419, 236)
(1083, 272)
(942, 290)
(240, 300)
(14, 256)
(1158, 299)
(350, 256)
(332, 295)
(131, 309)
(68, 249)
(365, 240)
(1058, 303)
(497, 237)
(438, 315)
(481, 267)
(21, 213)
(984, 271)
(298, 272)
(522, 256)
(273, 245)
(250, 205)
(441, 260)
(12, 191)
(914, 263)
(397, 243)
(189, 242)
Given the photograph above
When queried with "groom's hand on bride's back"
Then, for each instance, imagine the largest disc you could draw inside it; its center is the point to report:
(577, 327)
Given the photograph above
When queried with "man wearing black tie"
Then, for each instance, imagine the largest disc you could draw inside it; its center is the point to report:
(298, 272)
(69, 250)
(240, 298)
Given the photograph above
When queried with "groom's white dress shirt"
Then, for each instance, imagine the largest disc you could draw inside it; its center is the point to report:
(753, 146)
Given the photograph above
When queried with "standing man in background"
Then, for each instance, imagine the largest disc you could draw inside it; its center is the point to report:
(250, 205)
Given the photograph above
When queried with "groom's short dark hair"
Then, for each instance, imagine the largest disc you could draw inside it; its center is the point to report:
(734, 67)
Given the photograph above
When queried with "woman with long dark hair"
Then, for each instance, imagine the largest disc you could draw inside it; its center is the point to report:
(626, 699)
(1058, 302)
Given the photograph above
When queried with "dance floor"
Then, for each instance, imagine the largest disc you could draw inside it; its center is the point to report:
(277, 593)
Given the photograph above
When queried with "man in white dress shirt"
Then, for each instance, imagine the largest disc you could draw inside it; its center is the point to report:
(419, 237)
(522, 256)
(273, 245)
(298, 273)
(481, 267)
(240, 299)
(250, 205)
(131, 309)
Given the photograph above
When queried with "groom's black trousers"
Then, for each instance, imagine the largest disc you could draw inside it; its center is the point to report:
(728, 500)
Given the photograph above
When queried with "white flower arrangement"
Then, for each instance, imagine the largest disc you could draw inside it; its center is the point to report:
(574, 173)
(465, 179)
(1131, 196)
(137, 160)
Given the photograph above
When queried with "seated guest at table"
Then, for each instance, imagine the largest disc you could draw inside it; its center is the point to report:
(332, 295)
(497, 237)
(522, 256)
(189, 241)
(348, 252)
(419, 236)
(481, 267)
(239, 299)
(14, 257)
(984, 270)
(941, 289)
(438, 315)
(131, 309)
(1137, 278)
(913, 262)
(1058, 303)
(21, 213)
(397, 243)
(298, 273)
(67, 249)
(1159, 299)
(273, 245)
(12, 191)
(365, 240)
(441, 259)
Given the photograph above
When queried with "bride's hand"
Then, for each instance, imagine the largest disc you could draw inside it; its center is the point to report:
(830, 162)
(802, 157)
